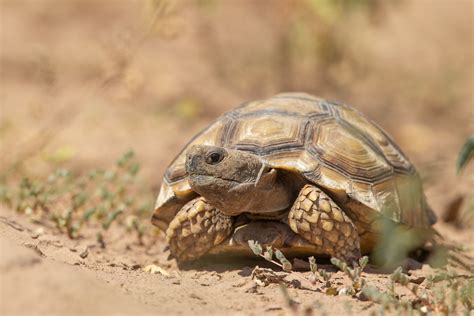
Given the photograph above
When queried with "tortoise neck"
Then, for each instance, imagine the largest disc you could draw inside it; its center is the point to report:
(250, 198)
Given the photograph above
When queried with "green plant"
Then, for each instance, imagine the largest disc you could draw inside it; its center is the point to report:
(354, 273)
(268, 254)
(316, 274)
(71, 202)
(330, 289)
(443, 293)
(465, 154)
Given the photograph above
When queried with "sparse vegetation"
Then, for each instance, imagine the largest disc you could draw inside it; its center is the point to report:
(72, 203)
(439, 294)
(443, 292)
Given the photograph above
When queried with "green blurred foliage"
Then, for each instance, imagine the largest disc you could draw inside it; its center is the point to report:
(187, 109)
(330, 11)
(60, 155)
(395, 243)
(324, 21)
(465, 154)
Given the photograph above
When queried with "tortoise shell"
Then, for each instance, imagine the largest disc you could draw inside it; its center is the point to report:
(329, 144)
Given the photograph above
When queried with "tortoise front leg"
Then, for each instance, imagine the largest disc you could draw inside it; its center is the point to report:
(319, 220)
(196, 229)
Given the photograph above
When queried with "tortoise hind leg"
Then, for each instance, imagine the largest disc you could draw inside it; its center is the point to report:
(196, 229)
(319, 220)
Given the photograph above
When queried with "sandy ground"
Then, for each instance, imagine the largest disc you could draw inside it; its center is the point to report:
(47, 274)
(54, 279)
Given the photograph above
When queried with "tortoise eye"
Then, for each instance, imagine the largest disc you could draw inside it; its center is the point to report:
(214, 158)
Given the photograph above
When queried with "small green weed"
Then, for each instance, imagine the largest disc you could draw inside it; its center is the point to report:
(70, 202)
(443, 292)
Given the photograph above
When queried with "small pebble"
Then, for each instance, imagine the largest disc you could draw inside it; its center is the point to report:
(273, 308)
(240, 283)
(251, 288)
(85, 253)
(136, 267)
(37, 232)
(192, 295)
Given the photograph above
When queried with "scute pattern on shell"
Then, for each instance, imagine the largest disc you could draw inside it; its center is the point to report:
(330, 144)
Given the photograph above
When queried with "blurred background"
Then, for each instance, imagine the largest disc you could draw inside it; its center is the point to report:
(82, 82)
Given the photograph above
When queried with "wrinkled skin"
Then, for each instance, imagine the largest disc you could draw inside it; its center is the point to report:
(235, 181)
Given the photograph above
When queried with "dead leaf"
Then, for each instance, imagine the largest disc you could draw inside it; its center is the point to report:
(154, 269)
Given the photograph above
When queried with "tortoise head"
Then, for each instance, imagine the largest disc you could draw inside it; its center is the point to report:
(235, 181)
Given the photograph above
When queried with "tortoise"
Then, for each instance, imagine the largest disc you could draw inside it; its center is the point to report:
(300, 173)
